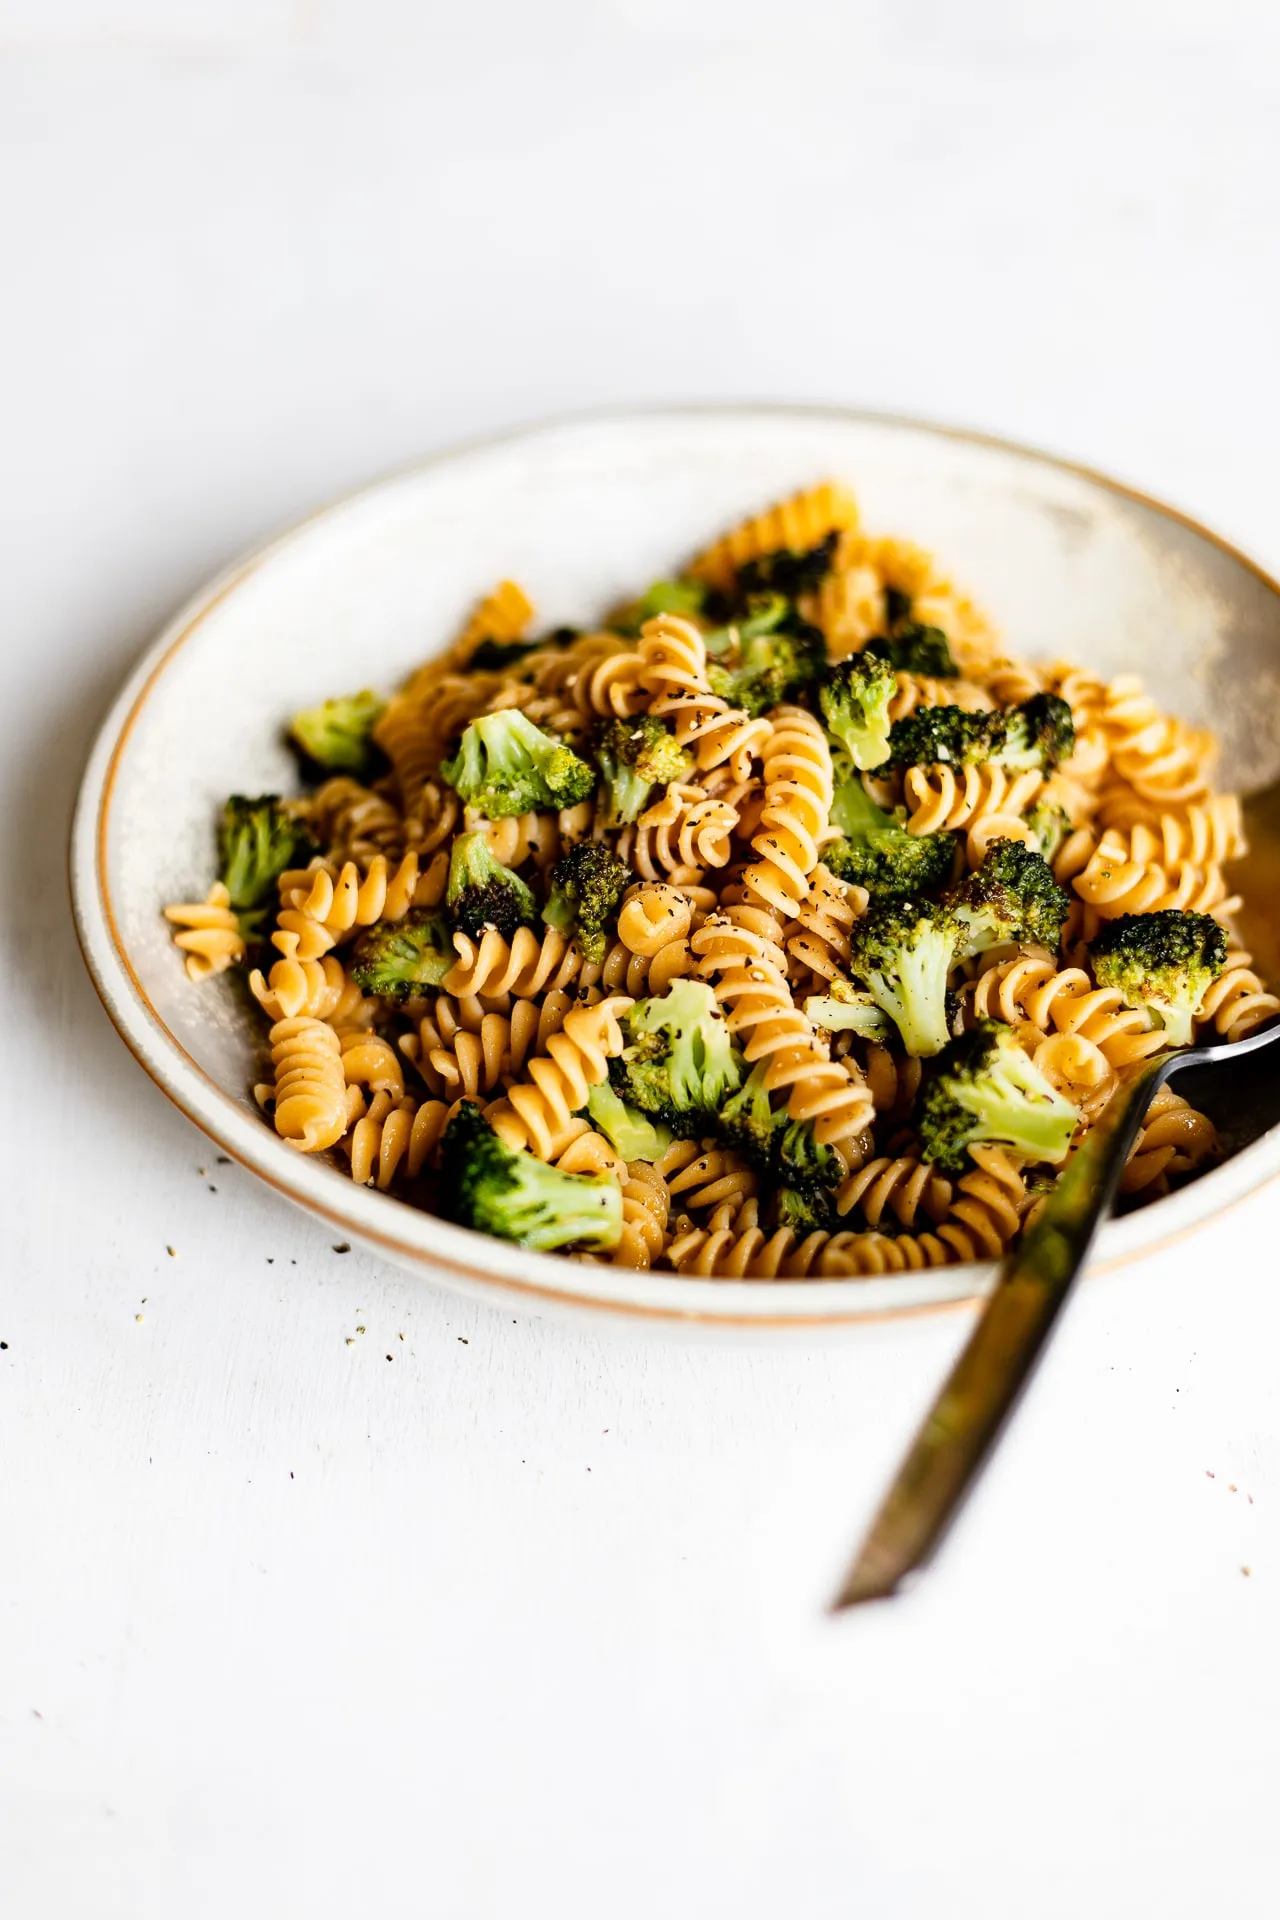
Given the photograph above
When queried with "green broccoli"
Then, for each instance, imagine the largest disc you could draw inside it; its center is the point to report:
(788, 572)
(1039, 733)
(902, 952)
(804, 1212)
(493, 1189)
(258, 840)
(1050, 824)
(1163, 962)
(1012, 896)
(682, 597)
(633, 1133)
(946, 736)
(679, 1061)
(747, 1122)
(784, 1149)
(336, 734)
(773, 666)
(876, 851)
(845, 1010)
(491, 655)
(586, 884)
(483, 893)
(854, 695)
(398, 958)
(912, 648)
(634, 757)
(505, 765)
(984, 1087)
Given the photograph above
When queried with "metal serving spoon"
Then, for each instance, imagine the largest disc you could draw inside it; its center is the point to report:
(985, 1384)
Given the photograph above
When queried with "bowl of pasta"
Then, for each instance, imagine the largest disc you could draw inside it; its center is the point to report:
(710, 864)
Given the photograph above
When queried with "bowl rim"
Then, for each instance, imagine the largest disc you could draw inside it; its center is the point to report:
(545, 1281)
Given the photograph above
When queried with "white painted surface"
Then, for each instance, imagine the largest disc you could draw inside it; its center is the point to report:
(535, 1624)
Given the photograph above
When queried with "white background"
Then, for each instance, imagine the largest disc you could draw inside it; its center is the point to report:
(529, 1619)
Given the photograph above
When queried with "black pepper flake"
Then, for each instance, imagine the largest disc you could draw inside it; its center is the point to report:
(467, 1343)
(224, 1159)
(388, 1356)
(212, 1188)
(4, 1346)
(343, 1246)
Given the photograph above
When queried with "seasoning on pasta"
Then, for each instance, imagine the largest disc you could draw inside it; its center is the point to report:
(779, 925)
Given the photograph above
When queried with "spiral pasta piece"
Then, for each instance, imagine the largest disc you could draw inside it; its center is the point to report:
(987, 1206)
(1175, 1139)
(1121, 878)
(1033, 987)
(673, 673)
(680, 837)
(392, 1136)
(948, 798)
(209, 933)
(645, 1207)
(316, 917)
(796, 817)
(1237, 1001)
(310, 1092)
(904, 1187)
(540, 1109)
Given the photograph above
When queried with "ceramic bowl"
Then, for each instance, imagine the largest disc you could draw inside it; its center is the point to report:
(1069, 563)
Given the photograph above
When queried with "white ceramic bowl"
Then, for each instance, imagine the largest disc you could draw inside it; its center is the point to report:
(582, 512)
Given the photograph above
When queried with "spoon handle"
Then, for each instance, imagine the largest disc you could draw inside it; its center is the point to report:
(983, 1387)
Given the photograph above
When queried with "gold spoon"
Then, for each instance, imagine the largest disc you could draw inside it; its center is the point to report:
(985, 1384)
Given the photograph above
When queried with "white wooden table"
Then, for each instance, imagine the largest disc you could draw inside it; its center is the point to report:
(323, 1593)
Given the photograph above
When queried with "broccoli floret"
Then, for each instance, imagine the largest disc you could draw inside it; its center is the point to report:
(747, 1122)
(684, 598)
(586, 883)
(901, 952)
(845, 1010)
(505, 765)
(946, 736)
(336, 734)
(788, 572)
(1162, 962)
(877, 852)
(633, 1133)
(402, 957)
(483, 893)
(1050, 825)
(916, 649)
(984, 1087)
(258, 840)
(803, 1212)
(783, 1149)
(634, 757)
(1039, 733)
(1012, 896)
(773, 666)
(679, 1061)
(855, 695)
(493, 654)
(488, 1186)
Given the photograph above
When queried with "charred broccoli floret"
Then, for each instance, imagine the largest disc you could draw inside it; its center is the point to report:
(901, 952)
(945, 736)
(633, 1133)
(258, 840)
(804, 1212)
(1011, 896)
(492, 654)
(984, 1087)
(1163, 962)
(788, 572)
(679, 1061)
(1050, 825)
(877, 852)
(483, 893)
(586, 883)
(1039, 733)
(854, 695)
(336, 734)
(490, 1187)
(778, 655)
(783, 1149)
(505, 765)
(397, 958)
(634, 757)
(912, 648)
